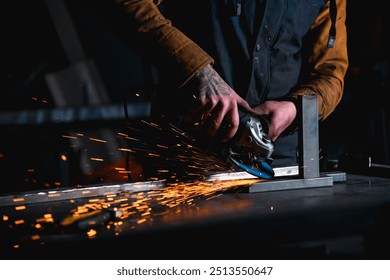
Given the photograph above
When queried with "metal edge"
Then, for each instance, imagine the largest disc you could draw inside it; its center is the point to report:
(51, 195)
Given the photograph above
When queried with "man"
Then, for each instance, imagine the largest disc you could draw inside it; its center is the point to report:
(219, 60)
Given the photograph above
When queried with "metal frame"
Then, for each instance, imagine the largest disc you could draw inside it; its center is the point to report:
(308, 170)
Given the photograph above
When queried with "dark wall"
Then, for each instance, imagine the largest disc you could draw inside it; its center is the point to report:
(360, 125)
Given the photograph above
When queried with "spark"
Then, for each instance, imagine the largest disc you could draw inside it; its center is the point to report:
(161, 146)
(68, 136)
(91, 233)
(140, 221)
(133, 139)
(35, 237)
(19, 222)
(97, 140)
(125, 150)
(142, 206)
(154, 125)
(181, 189)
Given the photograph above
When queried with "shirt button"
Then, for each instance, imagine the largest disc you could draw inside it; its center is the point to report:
(257, 47)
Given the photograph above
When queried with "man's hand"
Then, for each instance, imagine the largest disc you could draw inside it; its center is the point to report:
(281, 115)
(215, 106)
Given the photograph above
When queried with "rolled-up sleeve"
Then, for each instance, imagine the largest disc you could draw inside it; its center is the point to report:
(167, 46)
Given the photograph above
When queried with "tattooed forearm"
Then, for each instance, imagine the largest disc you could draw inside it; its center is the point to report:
(211, 82)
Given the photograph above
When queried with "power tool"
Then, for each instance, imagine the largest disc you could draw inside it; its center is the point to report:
(251, 148)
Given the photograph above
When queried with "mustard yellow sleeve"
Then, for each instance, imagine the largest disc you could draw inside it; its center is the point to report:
(328, 66)
(166, 44)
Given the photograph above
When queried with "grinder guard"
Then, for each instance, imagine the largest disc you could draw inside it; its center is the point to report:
(251, 148)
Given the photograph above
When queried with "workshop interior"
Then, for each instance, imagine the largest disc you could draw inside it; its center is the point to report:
(85, 169)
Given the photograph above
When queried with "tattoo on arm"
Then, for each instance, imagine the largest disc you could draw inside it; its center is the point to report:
(211, 83)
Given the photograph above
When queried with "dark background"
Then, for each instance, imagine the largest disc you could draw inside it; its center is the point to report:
(30, 152)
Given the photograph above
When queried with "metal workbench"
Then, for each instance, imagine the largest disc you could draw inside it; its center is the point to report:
(348, 220)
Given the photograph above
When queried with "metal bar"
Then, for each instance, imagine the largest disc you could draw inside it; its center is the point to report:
(292, 184)
(363, 165)
(62, 194)
(308, 137)
(65, 115)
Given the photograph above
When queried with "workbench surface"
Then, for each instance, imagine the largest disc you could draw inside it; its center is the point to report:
(347, 220)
